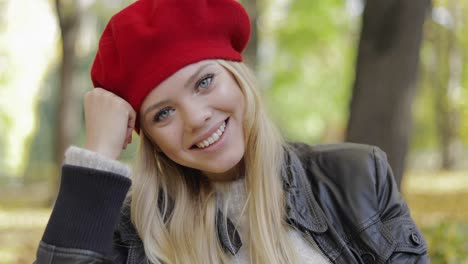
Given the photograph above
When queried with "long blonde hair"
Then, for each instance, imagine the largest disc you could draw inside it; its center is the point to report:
(174, 208)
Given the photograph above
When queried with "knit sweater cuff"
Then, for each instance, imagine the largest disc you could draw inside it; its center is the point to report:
(85, 158)
(87, 209)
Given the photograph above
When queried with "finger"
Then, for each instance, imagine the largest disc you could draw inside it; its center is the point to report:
(131, 118)
(128, 135)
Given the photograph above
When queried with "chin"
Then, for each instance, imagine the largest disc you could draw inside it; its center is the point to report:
(221, 169)
(224, 170)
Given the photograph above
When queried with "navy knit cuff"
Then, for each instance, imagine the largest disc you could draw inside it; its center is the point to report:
(87, 209)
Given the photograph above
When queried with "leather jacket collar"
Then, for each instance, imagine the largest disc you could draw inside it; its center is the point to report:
(302, 211)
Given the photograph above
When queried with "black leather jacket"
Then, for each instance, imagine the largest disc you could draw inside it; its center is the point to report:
(343, 199)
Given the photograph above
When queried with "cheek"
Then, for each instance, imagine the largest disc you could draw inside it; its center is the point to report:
(231, 96)
(241, 103)
(238, 99)
(166, 140)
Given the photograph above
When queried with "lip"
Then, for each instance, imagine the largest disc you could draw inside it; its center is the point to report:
(207, 134)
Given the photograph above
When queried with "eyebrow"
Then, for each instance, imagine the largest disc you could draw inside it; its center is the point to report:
(192, 78)
(155, 106)
(189, 81)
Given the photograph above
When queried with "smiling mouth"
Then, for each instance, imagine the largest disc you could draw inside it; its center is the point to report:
(213, 138)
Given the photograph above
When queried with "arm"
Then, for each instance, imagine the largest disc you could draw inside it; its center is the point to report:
(93, 186)
(87, 209)
(411, 246)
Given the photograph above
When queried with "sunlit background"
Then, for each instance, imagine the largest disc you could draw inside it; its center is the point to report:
(305, 60)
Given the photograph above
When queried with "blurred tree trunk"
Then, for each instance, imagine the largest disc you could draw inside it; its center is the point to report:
(67, 126)
(446, 72)
(386, 76)
(250, 54)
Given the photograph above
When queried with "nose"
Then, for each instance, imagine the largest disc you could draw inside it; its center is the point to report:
(195, 115)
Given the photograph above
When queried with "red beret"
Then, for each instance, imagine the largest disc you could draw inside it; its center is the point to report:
(149, 40)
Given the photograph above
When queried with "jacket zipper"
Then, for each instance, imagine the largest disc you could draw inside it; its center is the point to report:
(311, 240)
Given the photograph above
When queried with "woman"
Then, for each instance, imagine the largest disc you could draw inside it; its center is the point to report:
(215, 183)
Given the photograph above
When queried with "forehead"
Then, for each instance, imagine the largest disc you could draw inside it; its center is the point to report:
(189, 70)
(175, 82)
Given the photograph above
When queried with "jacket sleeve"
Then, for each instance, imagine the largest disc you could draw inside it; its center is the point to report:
(85, 214)
(409, 244)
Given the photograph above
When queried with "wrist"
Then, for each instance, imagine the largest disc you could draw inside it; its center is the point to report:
(103, 151)
(89, 159)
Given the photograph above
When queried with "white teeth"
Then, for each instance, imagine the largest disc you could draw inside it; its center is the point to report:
(213, 138)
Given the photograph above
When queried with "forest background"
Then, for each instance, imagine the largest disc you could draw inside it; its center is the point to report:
(393, 73)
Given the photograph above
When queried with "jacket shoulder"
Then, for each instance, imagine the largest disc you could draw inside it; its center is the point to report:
(356, 174)
(355, 187)
(342, 161)
(341, 150)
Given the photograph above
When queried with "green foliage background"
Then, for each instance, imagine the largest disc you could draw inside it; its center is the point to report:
(313, 70)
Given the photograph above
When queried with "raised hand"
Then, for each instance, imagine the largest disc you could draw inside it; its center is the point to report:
(109, 120)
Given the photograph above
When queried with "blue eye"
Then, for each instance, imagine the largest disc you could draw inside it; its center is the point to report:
(205, 81)
(163, 114)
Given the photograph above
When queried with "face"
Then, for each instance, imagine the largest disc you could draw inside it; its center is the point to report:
(196, 118)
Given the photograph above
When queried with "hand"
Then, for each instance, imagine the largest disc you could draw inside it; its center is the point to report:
(109, 121)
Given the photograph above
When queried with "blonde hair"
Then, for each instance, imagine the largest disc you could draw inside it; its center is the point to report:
(174, 208)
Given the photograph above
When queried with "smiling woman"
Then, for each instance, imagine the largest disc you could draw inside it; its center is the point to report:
(195, 117)
(214, 182)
